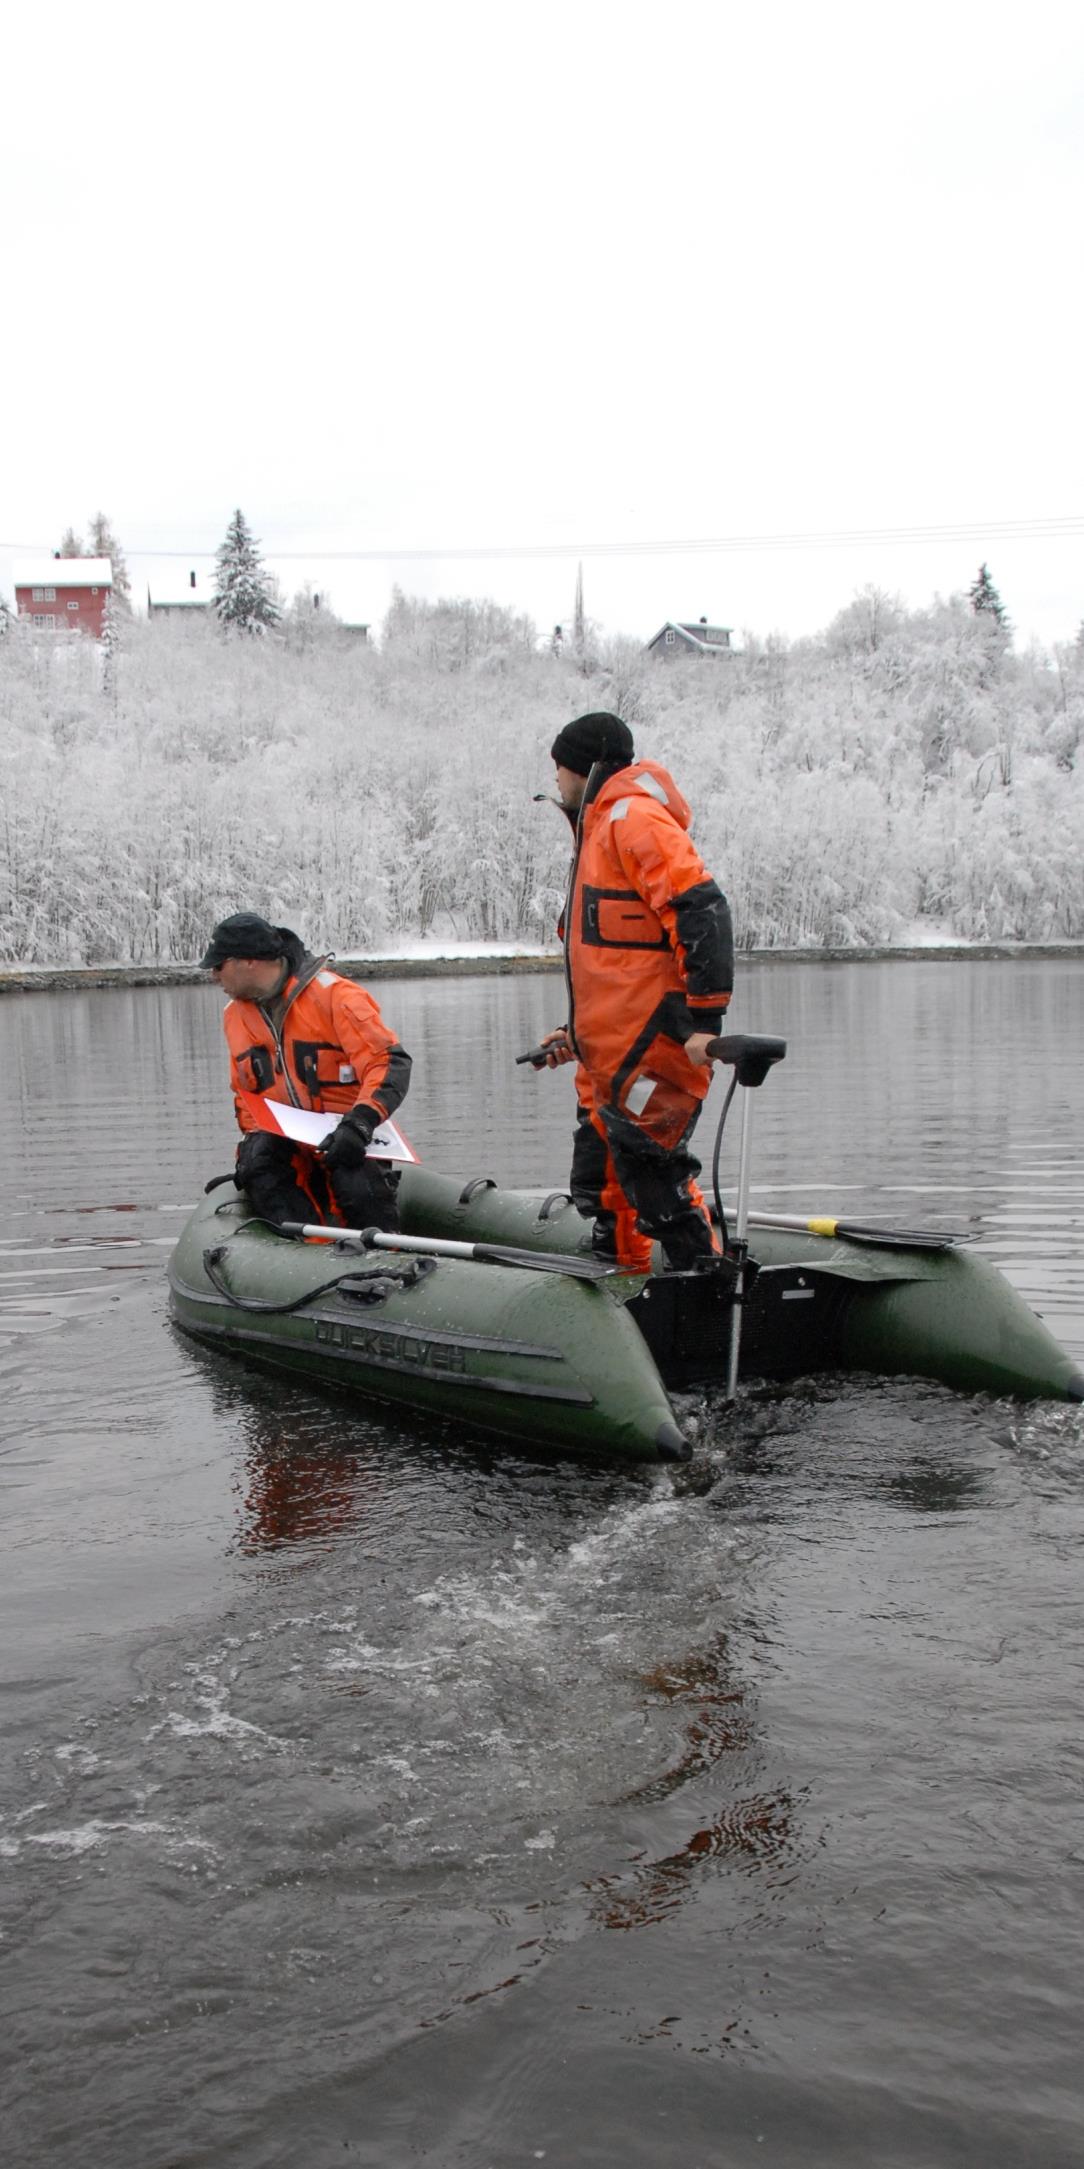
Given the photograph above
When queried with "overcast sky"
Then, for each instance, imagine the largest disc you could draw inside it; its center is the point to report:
(487, 277)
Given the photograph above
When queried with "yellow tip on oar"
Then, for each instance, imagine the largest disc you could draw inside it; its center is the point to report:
(822, 1227)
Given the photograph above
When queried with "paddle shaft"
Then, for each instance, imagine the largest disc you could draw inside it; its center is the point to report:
(576, 1266)
(857, 1231)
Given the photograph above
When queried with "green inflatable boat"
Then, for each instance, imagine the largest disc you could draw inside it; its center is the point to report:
(488, 1309)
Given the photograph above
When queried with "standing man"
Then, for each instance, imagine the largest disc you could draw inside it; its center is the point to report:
(649, 961)
(301, 1033)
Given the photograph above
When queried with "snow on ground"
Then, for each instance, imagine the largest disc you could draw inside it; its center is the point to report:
(438, 949)
(928, 934)
(922, 934)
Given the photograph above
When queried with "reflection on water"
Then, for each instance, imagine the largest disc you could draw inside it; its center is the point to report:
(719, 1723)
(293, 1492)
(932, 1487)
(757, 1835)
(754, 1832)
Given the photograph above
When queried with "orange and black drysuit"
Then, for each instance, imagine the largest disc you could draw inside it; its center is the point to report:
(320, 1042)
(649, 960)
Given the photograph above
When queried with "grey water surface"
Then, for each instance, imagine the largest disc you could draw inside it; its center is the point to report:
(380, 1795)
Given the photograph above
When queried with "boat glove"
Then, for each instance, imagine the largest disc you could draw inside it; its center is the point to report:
(349, 1141)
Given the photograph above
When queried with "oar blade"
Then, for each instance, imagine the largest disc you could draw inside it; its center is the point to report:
(856, 1231)
(861, 1231)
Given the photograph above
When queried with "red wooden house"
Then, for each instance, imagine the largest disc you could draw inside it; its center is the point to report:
(64, 591)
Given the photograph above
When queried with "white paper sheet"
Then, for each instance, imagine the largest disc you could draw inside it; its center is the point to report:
(307, 1128)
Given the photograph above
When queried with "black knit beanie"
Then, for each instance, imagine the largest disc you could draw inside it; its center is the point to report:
(246, 934)
(591, 738)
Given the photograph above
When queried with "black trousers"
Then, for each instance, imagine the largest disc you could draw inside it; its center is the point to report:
(268, 1170)
(620, 1175)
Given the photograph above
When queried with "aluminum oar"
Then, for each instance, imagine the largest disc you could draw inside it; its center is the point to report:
(577, 1266)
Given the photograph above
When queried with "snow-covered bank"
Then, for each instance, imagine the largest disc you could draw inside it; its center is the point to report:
(422, 959)
(413, 960)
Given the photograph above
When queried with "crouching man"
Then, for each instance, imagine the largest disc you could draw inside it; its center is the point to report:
(300, 1033)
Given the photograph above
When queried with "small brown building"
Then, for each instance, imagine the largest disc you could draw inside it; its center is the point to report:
(64, 592)
(675, 638)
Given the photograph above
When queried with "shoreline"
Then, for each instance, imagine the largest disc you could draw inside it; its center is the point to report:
(74, 978)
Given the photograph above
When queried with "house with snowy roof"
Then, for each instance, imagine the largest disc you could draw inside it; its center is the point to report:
(675, 638)
(170, 597)
(59, 592)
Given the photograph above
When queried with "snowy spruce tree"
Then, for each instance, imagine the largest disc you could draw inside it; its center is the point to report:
(117, 607)
(986, 602)
(244, 597)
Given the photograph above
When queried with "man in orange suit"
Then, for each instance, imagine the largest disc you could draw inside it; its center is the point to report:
(300, 1032)
(649, 962)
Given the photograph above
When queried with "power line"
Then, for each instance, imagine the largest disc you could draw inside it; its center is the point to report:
(1062, 528)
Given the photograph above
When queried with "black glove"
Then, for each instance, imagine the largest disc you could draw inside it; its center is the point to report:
(348, 1143)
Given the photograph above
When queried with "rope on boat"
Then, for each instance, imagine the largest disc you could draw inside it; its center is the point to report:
(373, 1284)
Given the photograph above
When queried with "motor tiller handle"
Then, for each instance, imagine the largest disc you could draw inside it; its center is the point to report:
(750, 1054)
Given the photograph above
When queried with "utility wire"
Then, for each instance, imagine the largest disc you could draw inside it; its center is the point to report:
(1066, 528)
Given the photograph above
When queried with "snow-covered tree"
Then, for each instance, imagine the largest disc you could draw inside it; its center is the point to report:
(116, 608)
(985, 600)
(244, 591)
(71, 544)
(456, 633)
(309, 617)
(866, 623)
(102, 542)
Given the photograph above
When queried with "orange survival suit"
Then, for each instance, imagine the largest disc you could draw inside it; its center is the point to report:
(321, 1043)
(649, 960)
